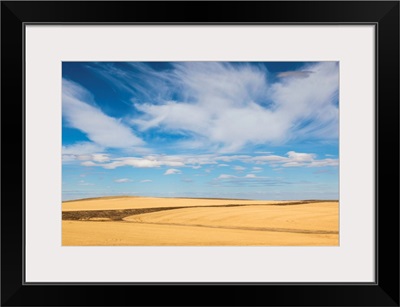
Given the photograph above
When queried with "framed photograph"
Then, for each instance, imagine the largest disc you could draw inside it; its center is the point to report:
(245, 148)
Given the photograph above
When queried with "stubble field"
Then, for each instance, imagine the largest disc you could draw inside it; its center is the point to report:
(146, 221)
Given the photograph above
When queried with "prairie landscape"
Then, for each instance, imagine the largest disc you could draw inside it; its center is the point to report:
(148, 221)
(200, 153)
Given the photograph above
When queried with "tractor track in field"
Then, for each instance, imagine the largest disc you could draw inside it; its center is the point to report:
(267, 229)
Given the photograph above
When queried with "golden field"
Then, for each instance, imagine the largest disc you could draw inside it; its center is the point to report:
(147, 221)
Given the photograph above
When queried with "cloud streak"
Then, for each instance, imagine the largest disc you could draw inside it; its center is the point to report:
(80, 149)
(101, 129)
(291, 159)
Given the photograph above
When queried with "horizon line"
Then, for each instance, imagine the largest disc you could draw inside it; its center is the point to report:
(184, 197)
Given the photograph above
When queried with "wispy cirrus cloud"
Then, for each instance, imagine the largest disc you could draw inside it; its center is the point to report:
(232, 106)
(80, 113)
(224, 106)
(136, 79)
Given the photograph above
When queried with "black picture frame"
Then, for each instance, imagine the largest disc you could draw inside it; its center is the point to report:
(383, 14)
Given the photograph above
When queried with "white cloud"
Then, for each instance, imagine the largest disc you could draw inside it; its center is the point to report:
(309, 103)
(269, 159)
(248, 176)
(89, 163)
(79, 150)
(84, 151)
(231, 106)
(324, 162)
(122, 180)
(100, 128)
(292, 159)
(222, 165)
(301, 157)
(148, 162)
(225, 176)
(172, 171)
(295, 159)
(293, 164)
(146, 180)
(100, 157)
(151, 161)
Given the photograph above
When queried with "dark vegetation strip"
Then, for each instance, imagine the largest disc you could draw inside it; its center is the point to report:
(114, 215)
(119, 214)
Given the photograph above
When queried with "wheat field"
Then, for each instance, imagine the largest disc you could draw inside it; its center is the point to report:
(148, 221)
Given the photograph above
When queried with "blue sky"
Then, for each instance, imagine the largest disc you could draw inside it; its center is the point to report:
(254, 130)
